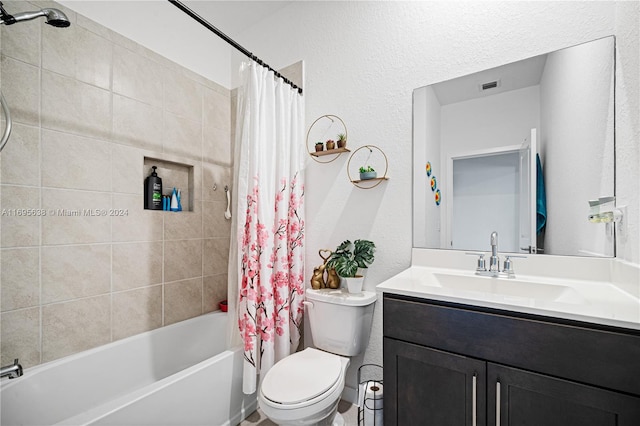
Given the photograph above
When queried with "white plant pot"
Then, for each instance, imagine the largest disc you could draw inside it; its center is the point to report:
(354, 284)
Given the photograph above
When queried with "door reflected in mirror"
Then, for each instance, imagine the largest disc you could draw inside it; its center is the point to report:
(519, 149)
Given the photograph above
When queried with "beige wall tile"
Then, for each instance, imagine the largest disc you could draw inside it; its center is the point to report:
(215, 256)
(127, 169)
(217, 109)
(182, 300)
(214, 174)
(136, 77)
(20, 278)
(137, 311)
(182, 259)
(78, 53)
(75, 107)
(21, 156)
(93, 59)
(214, 223)
(20, 231)
(184, 225)
(90, 105)
(22, 41)
(136, 123)
(75, 326)
(182, 136)
(139, 224)
(216, 145)
(20, 337)
(75, 162)
(94, 27)
(182, 95)
(68, 224)
(71, 272)
(214, 290)
(21, 89)
(294, 73)
(136, 265)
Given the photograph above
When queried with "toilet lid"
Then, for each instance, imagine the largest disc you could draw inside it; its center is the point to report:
(301, 376)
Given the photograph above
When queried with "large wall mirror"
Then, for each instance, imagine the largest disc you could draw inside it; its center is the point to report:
(519, 149)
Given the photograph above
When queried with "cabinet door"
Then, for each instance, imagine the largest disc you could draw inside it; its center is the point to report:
(427, 387)
(521, 398)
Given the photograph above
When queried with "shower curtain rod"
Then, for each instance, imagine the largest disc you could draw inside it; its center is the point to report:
(229, 40)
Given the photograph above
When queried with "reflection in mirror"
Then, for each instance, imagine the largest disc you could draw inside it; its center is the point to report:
(519, 149)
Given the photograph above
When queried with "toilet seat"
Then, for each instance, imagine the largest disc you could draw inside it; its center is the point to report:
(302, 378)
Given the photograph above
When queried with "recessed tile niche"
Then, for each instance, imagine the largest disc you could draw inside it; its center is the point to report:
(173, 175)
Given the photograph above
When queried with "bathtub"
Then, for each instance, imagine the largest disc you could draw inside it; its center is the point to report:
(180, 374)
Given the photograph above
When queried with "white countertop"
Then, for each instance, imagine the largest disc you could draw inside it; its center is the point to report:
(599, 302)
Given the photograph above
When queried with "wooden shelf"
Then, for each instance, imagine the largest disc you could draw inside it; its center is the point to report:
(373, 179)
(331, 151)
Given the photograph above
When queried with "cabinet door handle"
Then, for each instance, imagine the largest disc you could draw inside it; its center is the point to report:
(497, 403)
(474, 396)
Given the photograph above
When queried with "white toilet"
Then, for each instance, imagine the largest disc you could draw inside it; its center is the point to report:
(305, 388)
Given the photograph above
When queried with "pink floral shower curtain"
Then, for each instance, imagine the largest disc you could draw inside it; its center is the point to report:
(269, 253)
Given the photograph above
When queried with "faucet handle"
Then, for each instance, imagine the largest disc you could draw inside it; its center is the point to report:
(508, 265)
(481, 264)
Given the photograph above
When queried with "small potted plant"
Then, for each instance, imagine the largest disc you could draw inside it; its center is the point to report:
(319, 146)
(348, 258)
(342, 140)
(367, 173)
(331, 144)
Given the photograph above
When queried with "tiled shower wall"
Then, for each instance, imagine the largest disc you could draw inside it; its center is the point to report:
(88, 105)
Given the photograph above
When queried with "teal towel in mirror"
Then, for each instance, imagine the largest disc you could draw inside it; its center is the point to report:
(541, 198)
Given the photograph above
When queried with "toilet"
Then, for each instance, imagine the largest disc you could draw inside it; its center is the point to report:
(305, 387)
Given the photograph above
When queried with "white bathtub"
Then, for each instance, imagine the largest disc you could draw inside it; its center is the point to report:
(180, 374)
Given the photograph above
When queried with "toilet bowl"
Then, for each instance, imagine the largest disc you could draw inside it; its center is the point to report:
(305, 387)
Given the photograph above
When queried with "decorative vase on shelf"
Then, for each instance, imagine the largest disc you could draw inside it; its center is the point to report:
(342, 140)
(368, 175)
(319, 146)
(330, 144)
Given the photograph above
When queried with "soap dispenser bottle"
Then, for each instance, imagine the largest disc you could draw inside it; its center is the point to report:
(153, 191)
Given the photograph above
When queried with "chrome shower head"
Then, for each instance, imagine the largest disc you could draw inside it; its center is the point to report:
(54, 17)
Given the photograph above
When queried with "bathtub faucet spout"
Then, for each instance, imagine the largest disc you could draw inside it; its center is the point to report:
(12, 371)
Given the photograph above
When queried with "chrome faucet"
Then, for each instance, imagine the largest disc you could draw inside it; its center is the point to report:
(11, 371)
(494, 261)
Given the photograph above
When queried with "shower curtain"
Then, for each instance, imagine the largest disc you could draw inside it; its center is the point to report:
(266, 262)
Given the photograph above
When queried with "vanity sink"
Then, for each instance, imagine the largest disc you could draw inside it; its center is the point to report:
(508, 289)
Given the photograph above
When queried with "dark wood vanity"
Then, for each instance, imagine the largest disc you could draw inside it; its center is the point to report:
(453, 364)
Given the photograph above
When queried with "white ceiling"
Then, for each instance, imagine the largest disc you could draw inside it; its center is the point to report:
(232, 17)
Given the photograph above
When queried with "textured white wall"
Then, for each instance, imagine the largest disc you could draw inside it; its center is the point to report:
(363, 60)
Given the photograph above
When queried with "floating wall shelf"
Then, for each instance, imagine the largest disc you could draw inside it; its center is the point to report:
(324, 128)
(329, 152)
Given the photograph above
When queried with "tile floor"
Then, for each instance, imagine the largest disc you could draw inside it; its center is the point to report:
(348, 411)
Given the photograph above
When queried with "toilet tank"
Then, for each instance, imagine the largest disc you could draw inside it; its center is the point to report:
(340, 321)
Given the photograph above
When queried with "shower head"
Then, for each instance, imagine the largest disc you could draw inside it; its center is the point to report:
(54, 17)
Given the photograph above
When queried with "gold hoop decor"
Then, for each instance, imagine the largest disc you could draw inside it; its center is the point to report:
(368, 175)
(324, 134)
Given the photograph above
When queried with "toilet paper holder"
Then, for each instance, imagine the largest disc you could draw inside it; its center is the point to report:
(370, 395)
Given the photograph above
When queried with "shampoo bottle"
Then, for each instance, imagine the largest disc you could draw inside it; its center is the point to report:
(174, 201)
(153, 191)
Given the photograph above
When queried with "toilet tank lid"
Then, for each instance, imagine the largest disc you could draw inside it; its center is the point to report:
(341, 297)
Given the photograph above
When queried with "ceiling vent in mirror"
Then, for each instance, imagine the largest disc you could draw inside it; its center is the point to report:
(490, 85)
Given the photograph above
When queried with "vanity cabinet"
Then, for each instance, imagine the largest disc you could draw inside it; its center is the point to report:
(451, 364)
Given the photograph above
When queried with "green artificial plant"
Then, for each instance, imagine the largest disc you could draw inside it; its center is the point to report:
(348, 257)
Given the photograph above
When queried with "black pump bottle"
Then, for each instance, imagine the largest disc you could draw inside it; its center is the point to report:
(153, 191)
